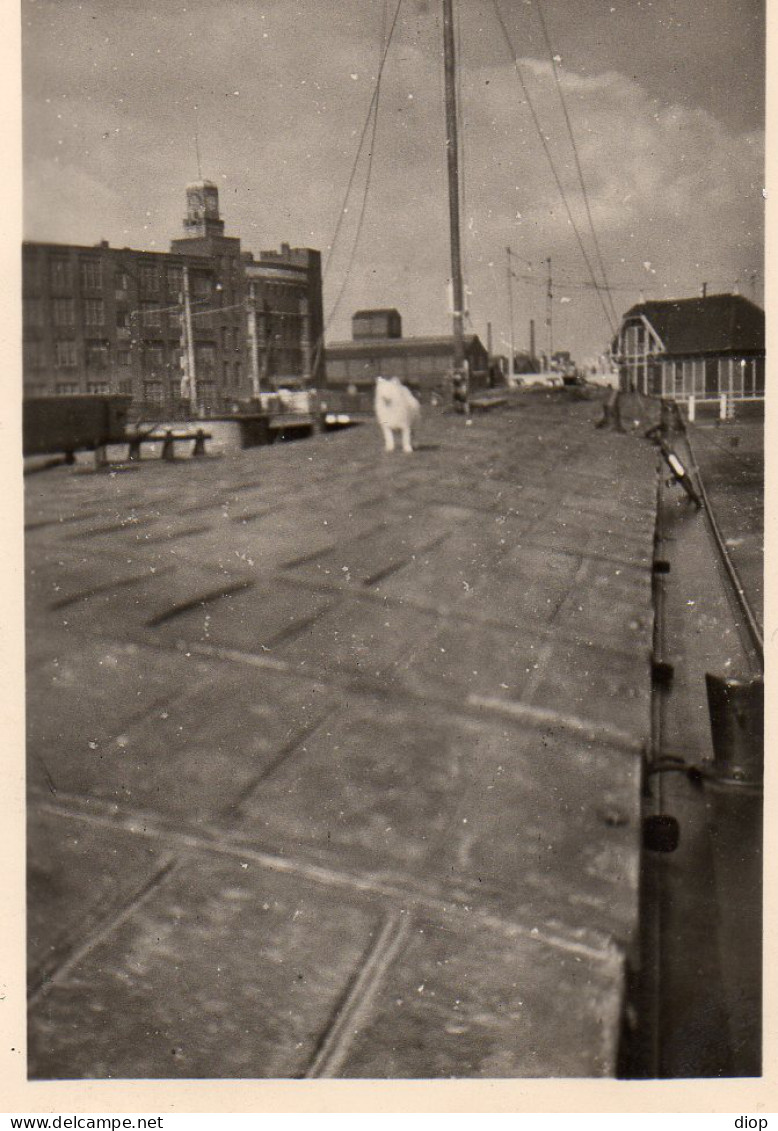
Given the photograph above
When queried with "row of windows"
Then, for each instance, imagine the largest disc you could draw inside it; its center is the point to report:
(700, 377)
(152, 278)
(157, 392)
(97, 355)
(63, 313)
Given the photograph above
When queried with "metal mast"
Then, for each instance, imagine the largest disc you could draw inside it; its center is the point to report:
(511, 360)
(549, 314)
(461, 391)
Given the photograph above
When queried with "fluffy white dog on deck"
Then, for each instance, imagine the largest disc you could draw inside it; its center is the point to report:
(397, 410)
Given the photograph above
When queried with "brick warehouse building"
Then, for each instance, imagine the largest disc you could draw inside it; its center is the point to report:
(378, 348)
(112, 320)
(696, 347)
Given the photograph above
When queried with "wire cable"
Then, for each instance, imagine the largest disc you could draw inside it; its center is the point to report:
(363, 209)
(552, 166)
(581, 181)
(372, 114)
(362, 137)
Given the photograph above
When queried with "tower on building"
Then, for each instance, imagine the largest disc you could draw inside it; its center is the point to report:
(202, 210)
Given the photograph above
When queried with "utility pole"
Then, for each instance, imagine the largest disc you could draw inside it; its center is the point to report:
(511, 362)
(253, 343)
(461, 391)
(190, 351)
(549, 314)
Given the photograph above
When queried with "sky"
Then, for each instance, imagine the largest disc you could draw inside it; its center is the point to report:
(665, 100)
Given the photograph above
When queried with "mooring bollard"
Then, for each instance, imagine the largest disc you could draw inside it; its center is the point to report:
(199, 444)
(606, 415)
(611, 412)
(167, 446)
(736, 708)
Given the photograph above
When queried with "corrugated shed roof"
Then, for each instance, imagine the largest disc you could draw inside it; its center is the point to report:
(714, 324)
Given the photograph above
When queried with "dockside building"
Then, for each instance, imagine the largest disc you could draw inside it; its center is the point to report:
(702, 348)
(378, 349)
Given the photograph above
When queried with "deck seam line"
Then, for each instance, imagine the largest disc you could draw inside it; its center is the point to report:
(142, 824)
(474, 705)
(339, 1039)
(542, 628)
(168, 866)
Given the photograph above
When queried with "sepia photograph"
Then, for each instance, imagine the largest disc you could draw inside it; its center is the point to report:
(427, 745)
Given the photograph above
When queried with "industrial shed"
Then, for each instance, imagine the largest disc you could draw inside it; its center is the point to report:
(701, 348)
(425, 363)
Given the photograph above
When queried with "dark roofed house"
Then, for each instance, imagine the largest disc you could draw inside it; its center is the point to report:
(694, 348)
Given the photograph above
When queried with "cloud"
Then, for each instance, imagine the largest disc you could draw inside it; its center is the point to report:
(110, 121)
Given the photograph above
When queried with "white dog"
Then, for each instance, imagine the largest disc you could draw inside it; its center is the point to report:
(397, 410)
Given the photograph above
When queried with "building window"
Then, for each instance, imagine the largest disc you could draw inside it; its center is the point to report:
(122, 320)
(36, 389)
(64, 312)
(153, 357)
(97, 388)
(67, 388)
(123, 358)
(34, 355)
(237, 373)
(61, 274)
(205, 358)
(174, 318)
(31, 272)
(65, 356)
(121, 283)
(125, 386)
(153, 391)
(149, 278)
(32, 312)
(91, 275)
(150, 315)
(676, 368)
(202, 285)
(97, 355)
(94, 312)
(175, 281)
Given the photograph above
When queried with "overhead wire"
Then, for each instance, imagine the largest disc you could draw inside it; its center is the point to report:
(365, 127)
(608, 317)
(372, 115)
(581, 181)
(370, 154)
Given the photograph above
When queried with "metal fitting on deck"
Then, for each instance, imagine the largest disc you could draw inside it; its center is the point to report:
(612, 413)
(736, 708)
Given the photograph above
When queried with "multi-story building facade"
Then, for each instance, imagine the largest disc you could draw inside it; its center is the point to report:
(177, 330)
(286, 320)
